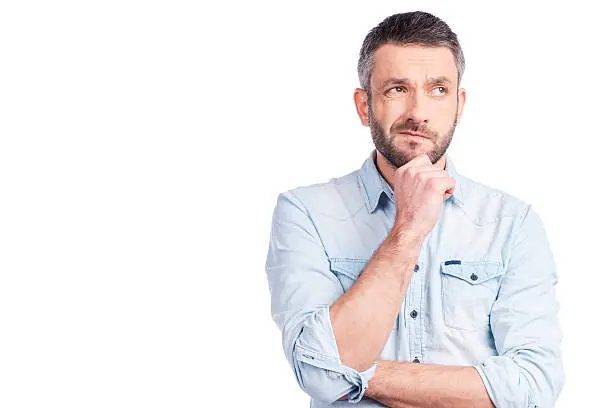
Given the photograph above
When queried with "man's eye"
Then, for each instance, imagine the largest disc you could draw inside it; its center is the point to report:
(395, 90)
(439, 90)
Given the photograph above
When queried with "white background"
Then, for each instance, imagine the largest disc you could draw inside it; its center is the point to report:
(143, 145)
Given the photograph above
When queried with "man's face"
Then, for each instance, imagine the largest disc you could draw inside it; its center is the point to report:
(414, 104)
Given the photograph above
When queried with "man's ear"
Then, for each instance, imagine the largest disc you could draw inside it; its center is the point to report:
(361, 104)
(460, 103)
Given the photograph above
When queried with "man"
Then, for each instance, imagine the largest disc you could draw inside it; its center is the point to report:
(405, 283)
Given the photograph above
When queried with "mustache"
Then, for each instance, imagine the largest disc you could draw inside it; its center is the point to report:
(411, 126)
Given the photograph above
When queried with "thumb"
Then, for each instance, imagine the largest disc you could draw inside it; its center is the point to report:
(449, 188)
(449, 193)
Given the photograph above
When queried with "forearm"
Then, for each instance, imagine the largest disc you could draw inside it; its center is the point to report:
(364, 316)
(408, 385)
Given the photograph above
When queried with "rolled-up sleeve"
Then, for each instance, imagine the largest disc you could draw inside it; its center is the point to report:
(528, 371)
(302, 289)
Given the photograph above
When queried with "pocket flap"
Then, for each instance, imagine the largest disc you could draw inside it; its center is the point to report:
(474, 272)
(348, 267)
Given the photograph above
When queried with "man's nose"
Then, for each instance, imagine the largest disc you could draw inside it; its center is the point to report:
(415, 109)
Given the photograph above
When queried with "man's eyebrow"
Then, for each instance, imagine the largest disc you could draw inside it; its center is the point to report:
(392, 80)
(438, 80)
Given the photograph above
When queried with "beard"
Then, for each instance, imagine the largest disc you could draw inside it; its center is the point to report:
(384, 142)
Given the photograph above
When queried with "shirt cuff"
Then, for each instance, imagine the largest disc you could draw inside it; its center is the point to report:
(320, 363)
(357, 394)
(485, 380)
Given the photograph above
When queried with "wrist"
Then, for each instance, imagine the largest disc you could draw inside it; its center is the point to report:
(380, 376)
(402, 247)
(404, 235)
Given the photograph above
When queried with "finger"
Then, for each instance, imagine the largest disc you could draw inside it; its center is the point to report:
(425, 173)
(432, 171)
(444, 184)
(421, 160)
(415, 171)
(449, 193)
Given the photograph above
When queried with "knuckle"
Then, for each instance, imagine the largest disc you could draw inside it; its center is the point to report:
(436, 183)
(431, 183)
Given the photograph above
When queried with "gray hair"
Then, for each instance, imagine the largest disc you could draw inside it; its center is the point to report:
(414, 28)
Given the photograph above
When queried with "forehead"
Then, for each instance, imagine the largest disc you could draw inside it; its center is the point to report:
(413, 62)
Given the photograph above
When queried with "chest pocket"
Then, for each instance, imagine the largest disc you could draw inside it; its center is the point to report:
(348, 270)
(469, 289)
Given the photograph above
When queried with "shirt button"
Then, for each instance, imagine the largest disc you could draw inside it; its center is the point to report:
(474, 277)
(416, 267)
(416, 360)
(414, 314)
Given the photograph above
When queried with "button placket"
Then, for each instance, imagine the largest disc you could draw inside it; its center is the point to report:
(412, 306)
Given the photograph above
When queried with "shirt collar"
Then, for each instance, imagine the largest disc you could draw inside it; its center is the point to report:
(374, 184)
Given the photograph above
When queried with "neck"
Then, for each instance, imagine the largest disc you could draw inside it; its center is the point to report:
(387, 170)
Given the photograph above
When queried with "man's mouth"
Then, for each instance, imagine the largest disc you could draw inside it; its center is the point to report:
(411, 133)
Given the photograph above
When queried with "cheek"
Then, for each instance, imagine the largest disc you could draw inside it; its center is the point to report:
(389, 112)
(443, 115)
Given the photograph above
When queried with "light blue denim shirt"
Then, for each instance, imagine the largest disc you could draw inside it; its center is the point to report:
(482, 294)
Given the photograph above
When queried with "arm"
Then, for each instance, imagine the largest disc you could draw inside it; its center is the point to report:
(317, 319)
(302, 288)
(306, 295)
(363, 317)
(408, 385)
(528, 371)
